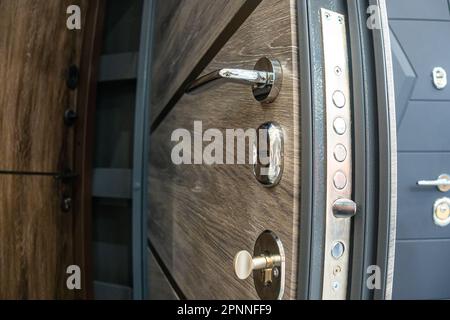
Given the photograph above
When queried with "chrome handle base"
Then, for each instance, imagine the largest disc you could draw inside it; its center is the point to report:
(265, 79)
(442, 183)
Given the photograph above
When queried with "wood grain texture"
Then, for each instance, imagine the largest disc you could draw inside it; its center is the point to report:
(35, 239)
(36, 48)
(177, 51)
(38, 241)
(201, 216)
(159, 286)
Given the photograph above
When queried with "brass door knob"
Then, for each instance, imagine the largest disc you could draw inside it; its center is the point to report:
(245, 264)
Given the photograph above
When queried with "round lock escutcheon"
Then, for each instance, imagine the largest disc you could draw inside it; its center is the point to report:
(441, 212)
(267, 264)
(268, 92)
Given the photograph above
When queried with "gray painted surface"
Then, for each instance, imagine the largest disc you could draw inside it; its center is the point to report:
(141, 154)
(422, 270)
(420, 41)
(113, 223)
(111, 183)
(109, 291)
(120, 66)
(415, 220)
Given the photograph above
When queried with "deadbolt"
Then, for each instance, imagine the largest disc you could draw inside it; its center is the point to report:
(344, 208)
(441, 212)
(267, 265)
(268, 154)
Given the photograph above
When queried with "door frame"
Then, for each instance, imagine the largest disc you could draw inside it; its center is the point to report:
(83, 148)
(141, 155)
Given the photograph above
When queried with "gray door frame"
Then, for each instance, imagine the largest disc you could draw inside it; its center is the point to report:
(141, 156)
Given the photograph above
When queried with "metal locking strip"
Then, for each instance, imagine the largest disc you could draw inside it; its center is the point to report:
(339, 209)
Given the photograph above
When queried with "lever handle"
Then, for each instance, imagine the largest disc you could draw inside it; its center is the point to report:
(442, 183)
(265, 79)
(245, 263)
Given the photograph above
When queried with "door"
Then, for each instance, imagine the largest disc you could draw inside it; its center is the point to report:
(304, 224)
(42, 90)
(201, 215)
(420, 32)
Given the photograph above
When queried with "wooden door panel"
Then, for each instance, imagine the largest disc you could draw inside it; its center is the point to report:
(184, 32)
(201, 216)
(35, 239)
(36, 49)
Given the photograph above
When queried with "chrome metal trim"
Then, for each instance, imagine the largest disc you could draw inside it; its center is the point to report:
(268, 154)
(442, 183)
(439, 78)
(338, 173)
(385, 32)
(265, 80)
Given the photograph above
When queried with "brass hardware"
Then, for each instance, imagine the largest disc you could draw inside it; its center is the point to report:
(267, 265)
(245, 264)
(441, 212)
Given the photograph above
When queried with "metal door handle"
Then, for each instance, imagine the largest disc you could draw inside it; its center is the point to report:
(265, 79)
(442, 183)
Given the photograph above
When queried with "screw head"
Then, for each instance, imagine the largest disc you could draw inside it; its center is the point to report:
(70, 117)
(335, 285)
(337, 270)
(338, 70)
(73, 77)
(276, 272)
(66, 204)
